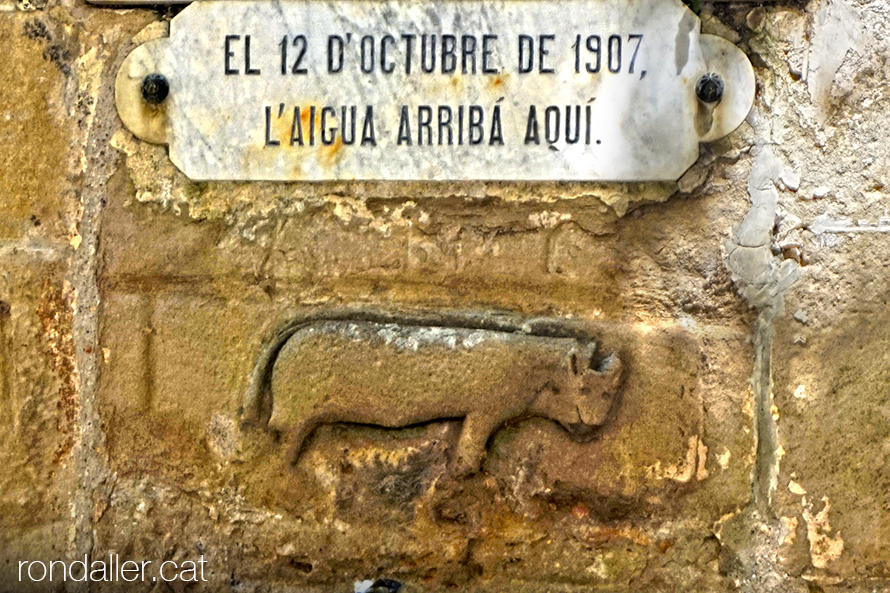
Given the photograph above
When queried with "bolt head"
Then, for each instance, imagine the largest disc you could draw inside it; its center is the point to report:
(709, 88)
(155, 89)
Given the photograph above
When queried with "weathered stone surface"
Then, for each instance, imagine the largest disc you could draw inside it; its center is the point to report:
(828, 351)
(33, 138)
(656, 458)
(831, 490)
(39, 384)
(676, 457)
(190, 305)
(38, 395)
(747, 449)
(832, 410)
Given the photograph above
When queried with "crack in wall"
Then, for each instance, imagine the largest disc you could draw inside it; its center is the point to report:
(762, 278)
(752, 536)
(8, 407)
(826, 223)
(148, 351)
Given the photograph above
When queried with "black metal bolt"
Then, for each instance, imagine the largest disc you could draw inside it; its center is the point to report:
(155, 89)
(709, 88)
(385, 586)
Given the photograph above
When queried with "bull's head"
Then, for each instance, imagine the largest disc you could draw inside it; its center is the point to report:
(582, 400)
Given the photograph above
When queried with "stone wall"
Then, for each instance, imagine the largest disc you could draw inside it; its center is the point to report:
(747, 449)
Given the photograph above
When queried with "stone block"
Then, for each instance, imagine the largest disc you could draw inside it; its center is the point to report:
(125, 338)
(322, 247)
(673, 457)
(35, 198)
(141, 248)
(39, 388)
(833, 417)
(202, 353)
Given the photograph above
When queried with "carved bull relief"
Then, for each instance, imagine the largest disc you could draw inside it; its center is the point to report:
(390, 374)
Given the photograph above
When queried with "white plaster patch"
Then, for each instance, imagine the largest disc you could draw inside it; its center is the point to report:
(598, 568)
(791, 179)
(837, 29)
(824, 547)
(723, 459)
(789, 526)
(761, 277)
(693, 465)
(548, 219)
(702, 471)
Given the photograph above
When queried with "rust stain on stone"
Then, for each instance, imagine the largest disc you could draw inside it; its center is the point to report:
(331, 154)
(55, 314)
(498, 81)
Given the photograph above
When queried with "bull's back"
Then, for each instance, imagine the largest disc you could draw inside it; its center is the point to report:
(393, 375)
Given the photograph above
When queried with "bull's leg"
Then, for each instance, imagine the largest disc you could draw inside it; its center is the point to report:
(471, 445)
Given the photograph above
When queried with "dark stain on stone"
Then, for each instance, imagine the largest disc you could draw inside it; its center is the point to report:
(36, 29)
(400, 486)
(301, 565)
(60, 56)
(55, 51)
(56, 321)
(450, 510)
(468, 568)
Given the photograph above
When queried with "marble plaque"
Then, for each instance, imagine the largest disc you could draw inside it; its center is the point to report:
(423, 90)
